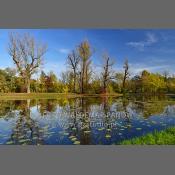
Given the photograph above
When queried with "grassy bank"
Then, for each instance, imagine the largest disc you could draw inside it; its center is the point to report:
(51, 95)
(166, 137)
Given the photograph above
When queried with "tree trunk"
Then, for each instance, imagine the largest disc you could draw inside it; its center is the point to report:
(82, 85)
(104, 87)
(124, 84)
(82, 78)
(28, 85)
(74, 81)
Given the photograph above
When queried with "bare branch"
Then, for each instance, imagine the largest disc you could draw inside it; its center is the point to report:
(26, 53)
(107, 73)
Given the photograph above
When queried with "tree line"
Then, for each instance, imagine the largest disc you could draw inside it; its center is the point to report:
(28, 54)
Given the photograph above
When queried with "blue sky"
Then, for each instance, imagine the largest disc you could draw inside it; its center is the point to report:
(153, 50)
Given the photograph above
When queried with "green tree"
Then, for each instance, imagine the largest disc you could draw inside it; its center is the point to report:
(42, 80)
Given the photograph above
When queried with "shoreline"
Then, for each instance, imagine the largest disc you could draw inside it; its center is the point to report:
(4, 96)
(8, 96)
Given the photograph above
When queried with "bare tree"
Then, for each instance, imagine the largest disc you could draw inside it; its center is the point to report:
(107, 72)
(165, 75)
(85, 53)
(126, 74)
(73, 60)
(166, 79)
(27, 55)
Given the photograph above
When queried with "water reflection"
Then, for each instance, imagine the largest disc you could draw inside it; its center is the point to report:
(26, 130)
(95, 120)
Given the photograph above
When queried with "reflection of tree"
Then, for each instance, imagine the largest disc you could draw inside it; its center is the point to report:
(125, 102)
(73, 125)
(26, 130)
(85, 121)
(6, 109)
(79, 114)
(80, 121)
(150, 105)
(47, 105)
(106, 110)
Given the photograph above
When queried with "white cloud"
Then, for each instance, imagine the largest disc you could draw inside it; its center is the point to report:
(140, 45)
(64, 50)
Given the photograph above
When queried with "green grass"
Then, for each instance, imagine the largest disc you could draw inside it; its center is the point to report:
(8, 96)
(166, 137)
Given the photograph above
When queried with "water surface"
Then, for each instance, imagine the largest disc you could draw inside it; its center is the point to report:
(86, 121)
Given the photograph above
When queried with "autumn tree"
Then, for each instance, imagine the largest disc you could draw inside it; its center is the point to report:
(7, 80)
(48, 82)
(136, 84)
(10, 78)
(152, 83)
(66, 80)
(107, 72)
(42, 81)
(51, 82)
(166, 79)
(119, 81)
(85, 53)
(3, 84)
(73, 61)
(27, 55)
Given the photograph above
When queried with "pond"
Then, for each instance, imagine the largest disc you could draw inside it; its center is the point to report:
(85, 120)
